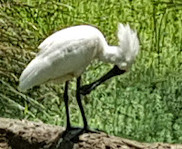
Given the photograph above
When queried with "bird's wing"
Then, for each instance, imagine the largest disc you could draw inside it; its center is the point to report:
(58, 59)
(68, 36)
(52, 42)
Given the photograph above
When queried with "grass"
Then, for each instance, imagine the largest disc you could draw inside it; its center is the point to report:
(144, 104)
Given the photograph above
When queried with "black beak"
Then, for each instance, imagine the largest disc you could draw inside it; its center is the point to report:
(115, 71)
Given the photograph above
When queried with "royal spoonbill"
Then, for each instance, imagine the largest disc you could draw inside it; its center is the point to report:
(66, 53)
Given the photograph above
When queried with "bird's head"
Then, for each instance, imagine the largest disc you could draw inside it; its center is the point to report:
(128, 46)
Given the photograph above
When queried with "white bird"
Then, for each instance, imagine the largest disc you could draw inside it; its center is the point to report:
(66, 53)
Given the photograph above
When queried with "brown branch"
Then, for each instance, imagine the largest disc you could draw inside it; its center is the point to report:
(23, 134)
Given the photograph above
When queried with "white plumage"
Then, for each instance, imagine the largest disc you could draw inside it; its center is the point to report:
(66, 53)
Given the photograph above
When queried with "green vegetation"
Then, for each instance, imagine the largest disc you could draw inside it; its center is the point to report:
(144, 104)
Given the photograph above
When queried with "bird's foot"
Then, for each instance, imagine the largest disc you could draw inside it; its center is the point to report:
(72, 133)
(69, 137)
(88, 130)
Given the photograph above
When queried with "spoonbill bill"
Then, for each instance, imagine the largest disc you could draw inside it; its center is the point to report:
(66, 53)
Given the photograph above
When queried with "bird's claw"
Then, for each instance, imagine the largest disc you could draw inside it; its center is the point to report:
(72, 135)
(88, 130)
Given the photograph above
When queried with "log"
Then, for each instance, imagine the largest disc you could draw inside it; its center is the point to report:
(23, 134)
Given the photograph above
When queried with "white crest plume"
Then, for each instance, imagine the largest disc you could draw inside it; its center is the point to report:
(128, 43)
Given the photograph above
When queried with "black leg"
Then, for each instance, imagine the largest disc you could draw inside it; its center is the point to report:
(72, 133)
(86, 89)
(68, 124)
(78, 97)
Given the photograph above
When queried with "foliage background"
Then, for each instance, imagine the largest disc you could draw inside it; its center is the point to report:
(144, 104)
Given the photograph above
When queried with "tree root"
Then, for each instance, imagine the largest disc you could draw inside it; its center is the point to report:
(23, 134)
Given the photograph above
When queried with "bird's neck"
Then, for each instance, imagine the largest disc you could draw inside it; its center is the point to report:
(110, 54)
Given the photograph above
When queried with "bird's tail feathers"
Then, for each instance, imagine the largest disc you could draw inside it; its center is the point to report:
(27, 78)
